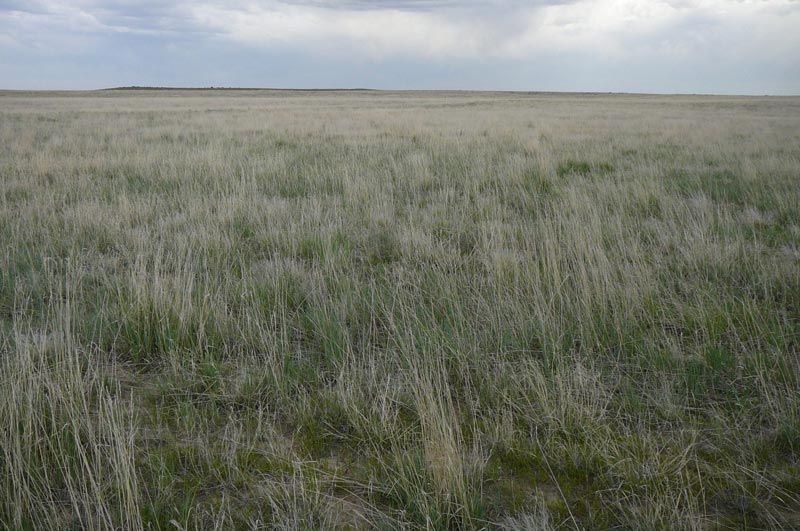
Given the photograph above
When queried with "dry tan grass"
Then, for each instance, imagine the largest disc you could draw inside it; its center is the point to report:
(403, 310)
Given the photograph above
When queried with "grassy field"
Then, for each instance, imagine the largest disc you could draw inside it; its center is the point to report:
(303, 310)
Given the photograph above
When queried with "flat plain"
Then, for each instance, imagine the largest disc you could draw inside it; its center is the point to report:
(358, 309)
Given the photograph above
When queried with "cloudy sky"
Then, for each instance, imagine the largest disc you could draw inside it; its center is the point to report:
(697, 46)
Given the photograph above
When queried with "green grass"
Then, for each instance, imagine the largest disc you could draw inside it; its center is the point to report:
(340, 311)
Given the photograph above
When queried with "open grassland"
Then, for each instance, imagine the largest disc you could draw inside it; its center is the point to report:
(425, 310)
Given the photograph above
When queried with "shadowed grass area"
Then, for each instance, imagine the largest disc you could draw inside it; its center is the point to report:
(340, 311)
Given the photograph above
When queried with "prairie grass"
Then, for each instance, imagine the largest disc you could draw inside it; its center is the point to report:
(398, 310)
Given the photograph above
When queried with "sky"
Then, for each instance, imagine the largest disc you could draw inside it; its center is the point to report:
(661, 46)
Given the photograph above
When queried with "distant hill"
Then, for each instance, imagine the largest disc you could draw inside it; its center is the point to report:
(137, 87)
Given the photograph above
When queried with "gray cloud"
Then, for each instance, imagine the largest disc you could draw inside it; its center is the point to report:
(626, 36)
(425, 5)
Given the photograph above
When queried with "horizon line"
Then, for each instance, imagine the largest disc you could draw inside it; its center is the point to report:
(154, 88)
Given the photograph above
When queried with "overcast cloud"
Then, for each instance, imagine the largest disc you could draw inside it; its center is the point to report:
(717, 46)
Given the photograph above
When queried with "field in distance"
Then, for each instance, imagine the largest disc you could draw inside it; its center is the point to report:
(315, 310)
